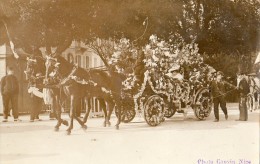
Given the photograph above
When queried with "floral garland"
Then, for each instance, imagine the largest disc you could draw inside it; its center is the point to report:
(130, 82)
(147, 79)
(141, 90)
(166, 63)
(163, 57)
(123, 54)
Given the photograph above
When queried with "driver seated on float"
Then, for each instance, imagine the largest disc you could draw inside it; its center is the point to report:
(174, 74)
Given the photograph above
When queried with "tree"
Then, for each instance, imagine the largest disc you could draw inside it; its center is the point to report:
(220, 28)
(53, 22)
(217, 26)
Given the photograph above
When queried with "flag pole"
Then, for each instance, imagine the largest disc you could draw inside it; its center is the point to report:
(10, 40)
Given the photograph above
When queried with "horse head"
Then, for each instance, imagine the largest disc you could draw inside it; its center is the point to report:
(239, 78)
(254, 84)
(57, 69)
(51, 65)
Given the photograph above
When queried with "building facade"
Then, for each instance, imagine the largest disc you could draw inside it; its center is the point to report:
(79, 53)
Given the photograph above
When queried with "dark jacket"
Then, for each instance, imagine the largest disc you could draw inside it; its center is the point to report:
(243, 87)
(220, 88)
(9, 85)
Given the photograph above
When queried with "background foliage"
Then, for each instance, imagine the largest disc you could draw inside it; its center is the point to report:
(223, 29)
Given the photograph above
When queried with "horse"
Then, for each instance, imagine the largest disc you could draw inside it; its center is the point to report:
(253, 97)
(77, 83)
(36, 66)
(253, 101)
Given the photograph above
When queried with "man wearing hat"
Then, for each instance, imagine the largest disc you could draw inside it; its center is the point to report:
(218, 89)
(243, 88)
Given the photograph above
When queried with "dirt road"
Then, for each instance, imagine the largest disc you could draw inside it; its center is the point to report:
(175, 141)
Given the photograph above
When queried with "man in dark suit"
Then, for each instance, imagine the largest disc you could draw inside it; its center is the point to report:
(243, 89)
(218, 89)
(9, 91)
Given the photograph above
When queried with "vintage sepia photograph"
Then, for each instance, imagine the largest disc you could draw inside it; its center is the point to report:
(129, 81)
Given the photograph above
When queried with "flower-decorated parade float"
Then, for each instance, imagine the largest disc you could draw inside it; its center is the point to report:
(167, 77)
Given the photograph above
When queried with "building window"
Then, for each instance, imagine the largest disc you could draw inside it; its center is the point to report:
(70, 58)
(87, 61)
(79, 60)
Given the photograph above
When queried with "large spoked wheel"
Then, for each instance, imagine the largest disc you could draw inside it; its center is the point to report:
(250, 102)
(154, 110)
(127, 111)
(202, 105)
(169, 110)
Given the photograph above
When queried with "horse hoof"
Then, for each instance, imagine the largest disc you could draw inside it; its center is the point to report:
(64, 122)
(84, 127)
(108, 123)
(105, 124)
(56, 129)
(117, 127)
(68, 132)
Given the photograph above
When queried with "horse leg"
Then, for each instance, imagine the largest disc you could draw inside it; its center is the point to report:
(58, 115)
(76, 116)
(119, 114)
(59, 99)
(88, 108)
(111, 106)
(72, 98)
(78, 108)
(57, 109)
(83, 126)
(60, 120)
(103, 107)
(58, 112)
(52, 114)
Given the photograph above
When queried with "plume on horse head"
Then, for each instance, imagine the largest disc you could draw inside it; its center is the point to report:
(50, 63)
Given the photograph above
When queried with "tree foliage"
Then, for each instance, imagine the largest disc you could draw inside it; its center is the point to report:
(217, 26)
